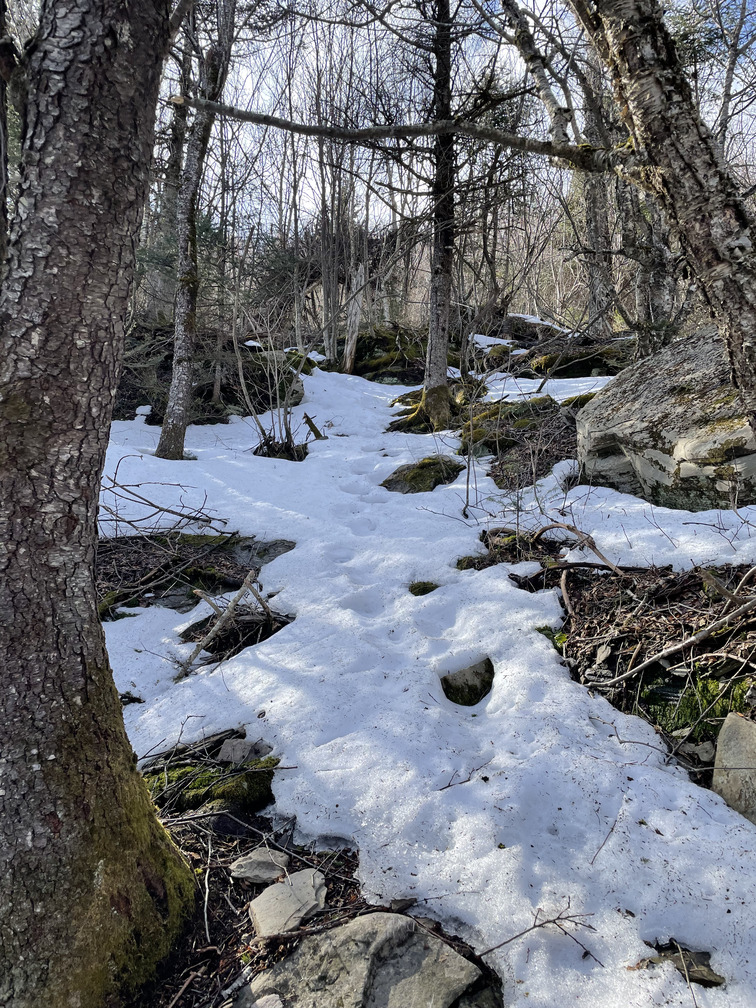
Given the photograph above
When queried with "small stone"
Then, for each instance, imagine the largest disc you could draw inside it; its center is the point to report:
(283, 906)
(468, 686)
(735, 765)
(706, 751)
(261, 865)
(268, 1001)
(236, 750)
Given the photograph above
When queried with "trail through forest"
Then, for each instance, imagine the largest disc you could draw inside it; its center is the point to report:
(541, 797)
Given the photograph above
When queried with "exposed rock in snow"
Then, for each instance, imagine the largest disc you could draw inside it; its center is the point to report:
(672, 429)
(379, 959)
(422, 476)
(261, 865)
(469, 685)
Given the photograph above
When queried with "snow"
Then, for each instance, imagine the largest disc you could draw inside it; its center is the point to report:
(488, 341)
(539, 799)
(559, 389)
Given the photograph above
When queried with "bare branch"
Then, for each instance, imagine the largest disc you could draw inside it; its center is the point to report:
(584, 156)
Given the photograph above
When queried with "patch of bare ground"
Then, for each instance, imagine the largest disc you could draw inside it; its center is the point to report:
(676, 648)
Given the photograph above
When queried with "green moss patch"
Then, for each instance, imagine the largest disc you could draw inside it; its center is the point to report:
(577, 402)
(391, 354)
(422, 587)
(495, 428)
(423, 476)
(182, 788)
(697, 709)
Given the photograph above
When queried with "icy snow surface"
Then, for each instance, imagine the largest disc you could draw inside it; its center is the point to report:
(538, 799)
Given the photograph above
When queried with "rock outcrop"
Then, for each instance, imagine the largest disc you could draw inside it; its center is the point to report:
(672, 429)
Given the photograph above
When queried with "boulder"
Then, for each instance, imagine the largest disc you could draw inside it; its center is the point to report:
(283, 906)
(378, 959)
(422, 476)
(672, 429)
(735, 765)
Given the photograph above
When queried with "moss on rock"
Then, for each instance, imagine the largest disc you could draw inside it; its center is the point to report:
(423, 476)
(247, 786)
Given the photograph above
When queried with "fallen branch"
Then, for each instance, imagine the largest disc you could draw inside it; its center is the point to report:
(584, 540)
(559, 922)
(221, 622)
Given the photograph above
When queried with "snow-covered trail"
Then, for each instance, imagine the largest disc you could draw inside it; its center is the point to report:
(539, 798)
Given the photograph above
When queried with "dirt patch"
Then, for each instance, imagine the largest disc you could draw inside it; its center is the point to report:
(249, 625)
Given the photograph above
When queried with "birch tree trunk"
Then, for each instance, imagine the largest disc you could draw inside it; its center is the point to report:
(436, 401)
(686, 172)
(215, 70)
(91, 890)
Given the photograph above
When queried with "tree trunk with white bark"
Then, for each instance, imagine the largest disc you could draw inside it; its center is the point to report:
(685, 169)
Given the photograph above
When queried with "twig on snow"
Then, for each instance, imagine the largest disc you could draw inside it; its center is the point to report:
(559, 921)
(584, 540)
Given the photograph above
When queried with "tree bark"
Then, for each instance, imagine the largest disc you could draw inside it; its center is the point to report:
(173, 433)
(685, 170)
(3, 148)
(436, 401)
(91, 890)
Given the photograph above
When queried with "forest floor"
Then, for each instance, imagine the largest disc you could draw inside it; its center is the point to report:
(543, 799)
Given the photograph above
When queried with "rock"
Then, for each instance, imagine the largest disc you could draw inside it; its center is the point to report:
(261, 865)
(283, 906)
(380, 959)
(469, 685)
(225, 818)
(706, 751)
(422, 476)
(188, 787)
(269, 1001)
(736, 749)
(672, 429)
(243, 750)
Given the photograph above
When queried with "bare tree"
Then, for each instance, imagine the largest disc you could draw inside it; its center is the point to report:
(213, 70)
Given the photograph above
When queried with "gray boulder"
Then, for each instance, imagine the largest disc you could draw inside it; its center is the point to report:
(380, 959)
(735, 765)
(672, 429)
